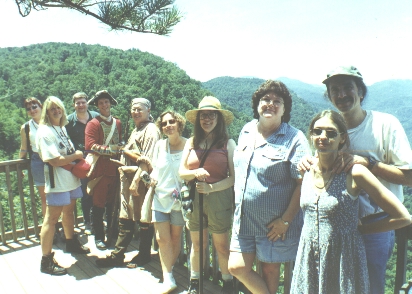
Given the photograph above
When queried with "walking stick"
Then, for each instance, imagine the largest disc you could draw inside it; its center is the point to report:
(201, 242)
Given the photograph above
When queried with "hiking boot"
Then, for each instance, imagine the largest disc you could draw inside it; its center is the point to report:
(228, 287)
(88, 230)
(109, 261)
(74, 246)
(193, 287)
(50, 266)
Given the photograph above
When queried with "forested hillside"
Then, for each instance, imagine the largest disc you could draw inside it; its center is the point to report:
(238, 92)
(63, 69)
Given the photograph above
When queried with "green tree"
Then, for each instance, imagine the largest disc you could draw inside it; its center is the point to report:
(142, 16)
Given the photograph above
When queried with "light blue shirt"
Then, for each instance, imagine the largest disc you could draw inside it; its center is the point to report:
(266, 178)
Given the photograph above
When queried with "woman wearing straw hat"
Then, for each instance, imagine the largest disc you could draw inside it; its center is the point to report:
(214, 180)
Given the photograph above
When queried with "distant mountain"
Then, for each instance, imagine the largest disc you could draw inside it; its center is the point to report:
(390, 96)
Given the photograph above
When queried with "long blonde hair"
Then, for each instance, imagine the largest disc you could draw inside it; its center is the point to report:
(44, 120)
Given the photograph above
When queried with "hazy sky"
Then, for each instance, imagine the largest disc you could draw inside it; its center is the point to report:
(298, 39)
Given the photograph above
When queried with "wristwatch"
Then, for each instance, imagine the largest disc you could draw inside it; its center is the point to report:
(284, 222)
(372, 162)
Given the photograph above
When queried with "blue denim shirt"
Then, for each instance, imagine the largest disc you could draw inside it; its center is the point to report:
(266, 178)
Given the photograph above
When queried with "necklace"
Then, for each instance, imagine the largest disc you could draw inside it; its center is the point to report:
(34, 124)
(325, 183)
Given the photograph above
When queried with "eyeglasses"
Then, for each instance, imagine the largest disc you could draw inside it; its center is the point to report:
(267, 101)
(209, 115)
(170, 121)
(330, 134)
(33, 107)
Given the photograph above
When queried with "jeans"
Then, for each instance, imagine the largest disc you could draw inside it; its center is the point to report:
(87, 202)
(379, 248)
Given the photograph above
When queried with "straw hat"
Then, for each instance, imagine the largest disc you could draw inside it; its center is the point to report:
(210, 103)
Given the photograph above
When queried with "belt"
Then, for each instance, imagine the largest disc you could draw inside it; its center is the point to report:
(373, 216)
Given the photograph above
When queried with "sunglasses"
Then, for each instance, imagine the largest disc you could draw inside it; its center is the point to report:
(33, 107)
(329, 133)
(210, 115)
(170, 121)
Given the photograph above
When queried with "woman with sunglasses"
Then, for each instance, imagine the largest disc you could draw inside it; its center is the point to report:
(166, 209)
(33, 108)
(62, 187)
(331, 256)
(214, 181)
(267, 220)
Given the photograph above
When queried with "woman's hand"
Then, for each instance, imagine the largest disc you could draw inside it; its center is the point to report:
(204, 188)
(201, 174)
(278, 230)
(78, 154)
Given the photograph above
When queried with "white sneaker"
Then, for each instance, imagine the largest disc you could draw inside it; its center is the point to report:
(168, 287)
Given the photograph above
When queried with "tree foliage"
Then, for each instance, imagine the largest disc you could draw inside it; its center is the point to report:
(143, 16)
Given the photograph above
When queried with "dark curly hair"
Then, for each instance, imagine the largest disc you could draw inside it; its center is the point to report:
(279, 89)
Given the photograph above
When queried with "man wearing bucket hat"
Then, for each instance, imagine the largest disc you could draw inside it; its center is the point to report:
(137, 156)
(378, 141)
(75, 127)
(207, 161)
(102, 137)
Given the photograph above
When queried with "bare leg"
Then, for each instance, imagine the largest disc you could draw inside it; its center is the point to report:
(47, 232)
(240, 266)
(68, 219)
(221, 242)
(169, 239)
(195, 252)
(271, 274)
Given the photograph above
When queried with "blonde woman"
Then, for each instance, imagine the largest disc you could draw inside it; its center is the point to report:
(62, 187)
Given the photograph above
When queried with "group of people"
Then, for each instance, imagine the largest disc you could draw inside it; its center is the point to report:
(333, 212)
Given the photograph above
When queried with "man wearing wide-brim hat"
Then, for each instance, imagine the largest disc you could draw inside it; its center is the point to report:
(102, 138)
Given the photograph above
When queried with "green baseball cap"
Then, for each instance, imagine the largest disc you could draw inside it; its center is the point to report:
(344, 71)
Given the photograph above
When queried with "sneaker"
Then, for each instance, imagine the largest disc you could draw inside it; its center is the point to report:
(88, 230)
(193, 287)
(50, 266)
(100, 245)
(109, 261)
(228, 287)
(168, 287)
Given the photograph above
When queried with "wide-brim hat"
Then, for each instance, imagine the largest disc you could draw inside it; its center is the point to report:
(343, 71)
(210, 103)
(102, 94)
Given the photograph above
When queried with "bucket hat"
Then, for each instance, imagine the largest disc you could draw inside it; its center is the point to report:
(210, 103)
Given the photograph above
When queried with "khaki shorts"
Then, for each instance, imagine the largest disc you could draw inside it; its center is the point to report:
(217, 212)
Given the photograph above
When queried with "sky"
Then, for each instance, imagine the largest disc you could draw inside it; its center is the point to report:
(268, 39)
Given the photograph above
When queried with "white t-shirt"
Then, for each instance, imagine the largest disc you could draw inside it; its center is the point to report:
(166, 172)
(52, 141)
(382, 137)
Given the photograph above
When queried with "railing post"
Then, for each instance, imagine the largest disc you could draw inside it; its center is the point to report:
(402, 246)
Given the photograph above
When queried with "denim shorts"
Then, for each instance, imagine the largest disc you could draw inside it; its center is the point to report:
(63, 198)
(175, 217)
(37, 169)
(266, 251)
